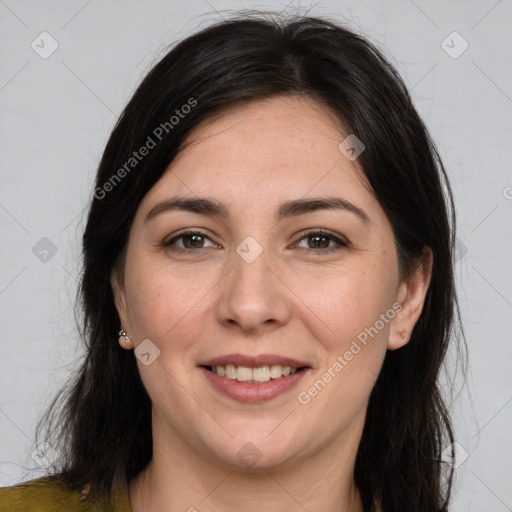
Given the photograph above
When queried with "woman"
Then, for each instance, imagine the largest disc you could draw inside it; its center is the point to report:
(267, 289)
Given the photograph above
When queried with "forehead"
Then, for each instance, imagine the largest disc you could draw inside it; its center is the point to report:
(275, 149)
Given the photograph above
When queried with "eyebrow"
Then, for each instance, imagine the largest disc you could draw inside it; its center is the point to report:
(214, 208)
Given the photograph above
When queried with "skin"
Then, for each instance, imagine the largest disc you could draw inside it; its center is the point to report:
(199, 303)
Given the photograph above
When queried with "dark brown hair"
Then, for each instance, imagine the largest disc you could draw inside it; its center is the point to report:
(101, 421)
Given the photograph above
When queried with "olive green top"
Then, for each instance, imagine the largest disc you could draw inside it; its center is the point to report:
(51, 495)
(47, 495)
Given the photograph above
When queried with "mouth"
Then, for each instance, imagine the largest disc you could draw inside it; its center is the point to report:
(257, 375)
(253, 379)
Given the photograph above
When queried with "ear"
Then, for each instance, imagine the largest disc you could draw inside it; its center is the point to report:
(411, 295)
(120, 302)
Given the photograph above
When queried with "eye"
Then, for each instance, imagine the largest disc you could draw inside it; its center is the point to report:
(189, 239)
(318, 242)
(322, 241)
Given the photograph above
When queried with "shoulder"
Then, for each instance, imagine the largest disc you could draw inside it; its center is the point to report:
(43, 495)
(46, 493)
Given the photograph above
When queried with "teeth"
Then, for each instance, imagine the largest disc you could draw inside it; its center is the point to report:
(259, 374)
(275, 371)
(230, 371)
(243, 374)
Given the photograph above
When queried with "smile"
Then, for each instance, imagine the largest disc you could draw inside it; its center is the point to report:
(263, 373)
(253, 379)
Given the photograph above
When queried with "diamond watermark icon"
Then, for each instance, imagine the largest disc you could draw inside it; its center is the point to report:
(44, 45)
(44, 455)
(147, 352)
(454, 45)
(249, 455)
(351, 147)
(249, 249)
(460, 250)
(454, 455)
(44, 250)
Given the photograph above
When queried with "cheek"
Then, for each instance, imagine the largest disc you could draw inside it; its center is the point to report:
(351, 322)
(164, 302)
(348, 303)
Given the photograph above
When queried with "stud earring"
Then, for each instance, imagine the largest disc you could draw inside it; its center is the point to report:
(403, 334)
(122, 334)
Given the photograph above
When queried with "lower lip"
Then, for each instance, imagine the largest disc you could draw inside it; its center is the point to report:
(253, 393)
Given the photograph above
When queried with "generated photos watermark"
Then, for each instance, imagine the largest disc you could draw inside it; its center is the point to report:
(362, 339)
(152, 141)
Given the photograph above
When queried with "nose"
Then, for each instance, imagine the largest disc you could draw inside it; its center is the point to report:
(254, 297)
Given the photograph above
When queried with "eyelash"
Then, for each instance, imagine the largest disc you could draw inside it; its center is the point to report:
(310, 234)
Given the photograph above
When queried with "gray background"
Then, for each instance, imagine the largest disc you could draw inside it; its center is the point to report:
(57, 112)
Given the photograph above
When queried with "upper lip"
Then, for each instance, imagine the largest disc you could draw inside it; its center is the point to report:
(254, 361)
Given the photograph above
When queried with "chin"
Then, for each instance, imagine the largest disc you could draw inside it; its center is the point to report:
(254, 453)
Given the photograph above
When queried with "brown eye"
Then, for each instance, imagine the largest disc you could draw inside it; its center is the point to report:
(193, 241)
(189, 240)
(318, 242)
(322, 242)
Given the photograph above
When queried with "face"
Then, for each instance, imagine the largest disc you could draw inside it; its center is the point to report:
(268, 296)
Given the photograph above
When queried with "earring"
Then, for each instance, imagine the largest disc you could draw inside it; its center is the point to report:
(122, 334)
(403, 334)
